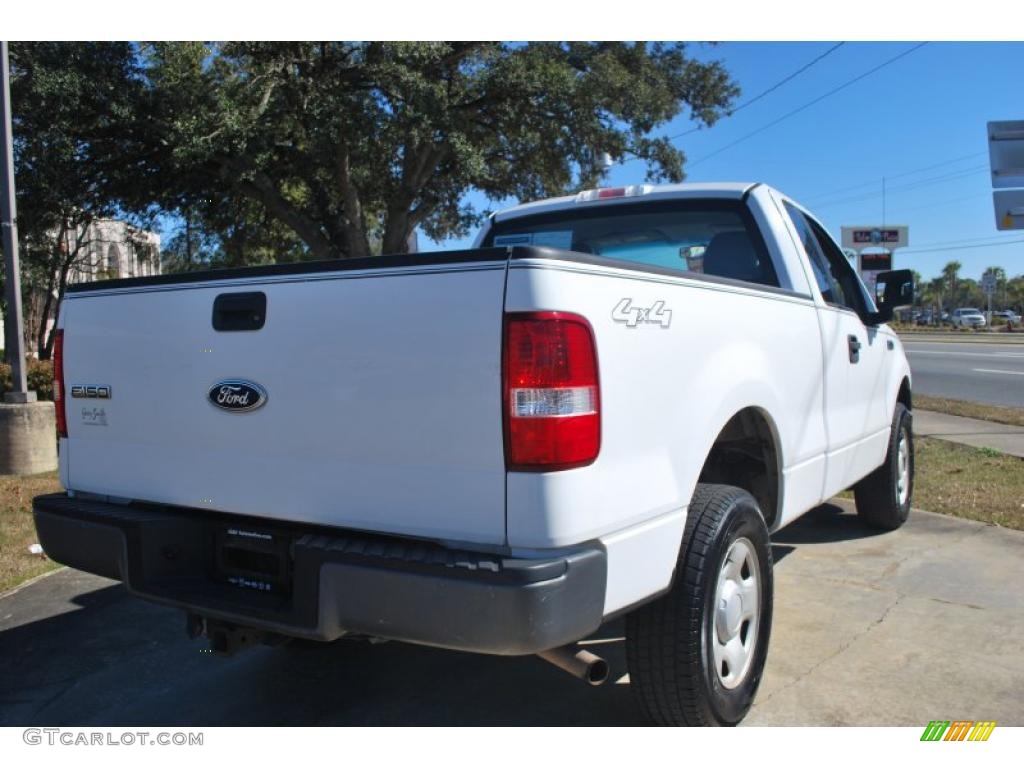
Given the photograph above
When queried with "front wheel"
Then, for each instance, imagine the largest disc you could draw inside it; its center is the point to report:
(696, 655)
(883, 497)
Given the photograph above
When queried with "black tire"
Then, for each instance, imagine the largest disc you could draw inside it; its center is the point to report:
(878, 495)
(670, 642)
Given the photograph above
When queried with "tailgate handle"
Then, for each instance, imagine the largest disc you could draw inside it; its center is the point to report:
(240, 311)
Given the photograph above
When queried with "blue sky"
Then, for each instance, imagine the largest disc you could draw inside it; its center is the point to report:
(927, 110)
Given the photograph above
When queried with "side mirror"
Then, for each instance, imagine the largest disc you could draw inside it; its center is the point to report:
(898, 292)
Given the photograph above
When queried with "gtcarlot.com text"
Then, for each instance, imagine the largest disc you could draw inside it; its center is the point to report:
(72, 738)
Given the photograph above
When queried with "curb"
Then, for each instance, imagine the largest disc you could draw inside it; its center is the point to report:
(14, 590)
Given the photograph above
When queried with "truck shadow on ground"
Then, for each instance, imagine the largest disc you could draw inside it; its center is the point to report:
(109, 658)
(825, 524)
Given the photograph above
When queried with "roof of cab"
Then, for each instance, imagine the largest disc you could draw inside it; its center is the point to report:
(720, 190)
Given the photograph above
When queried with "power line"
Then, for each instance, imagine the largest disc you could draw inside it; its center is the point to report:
(929, 206)
(955, 176)
(952, 176)
(939, 165)
(959, 247)
(1000, 238)
(809, 104)
(759, 96)
(764, 93)
(899, 175)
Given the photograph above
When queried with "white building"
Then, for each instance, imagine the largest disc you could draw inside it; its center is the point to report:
(113, 249)
(103, 250)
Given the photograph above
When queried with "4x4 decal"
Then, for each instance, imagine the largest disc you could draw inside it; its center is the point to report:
(632, 316)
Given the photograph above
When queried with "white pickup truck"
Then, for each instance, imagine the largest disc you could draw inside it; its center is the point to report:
(602, 410)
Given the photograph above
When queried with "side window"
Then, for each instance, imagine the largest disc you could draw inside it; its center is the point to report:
(830, 287)
(853, 293)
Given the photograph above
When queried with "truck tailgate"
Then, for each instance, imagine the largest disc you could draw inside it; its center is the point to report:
(382, 411)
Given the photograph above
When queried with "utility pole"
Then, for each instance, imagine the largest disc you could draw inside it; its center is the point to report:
(27, 427)
(15, 342)
(883, 201)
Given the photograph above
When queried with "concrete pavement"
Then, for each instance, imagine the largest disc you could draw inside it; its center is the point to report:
(870, 629)
(974, 432)
(885, 629)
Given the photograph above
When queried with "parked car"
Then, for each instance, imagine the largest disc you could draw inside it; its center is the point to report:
(967, 317)
(1011, 317)
(494, 450)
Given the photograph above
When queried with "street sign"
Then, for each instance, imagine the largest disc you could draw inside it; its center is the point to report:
(883, 236)
(988, 287)
(988, 284)
(1009, 207)
(1006, 153)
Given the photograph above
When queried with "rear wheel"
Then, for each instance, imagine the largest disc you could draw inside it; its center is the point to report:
(696, 655)
(883, 497)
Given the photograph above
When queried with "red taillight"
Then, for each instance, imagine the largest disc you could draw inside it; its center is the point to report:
(58, 383)
(552, 397)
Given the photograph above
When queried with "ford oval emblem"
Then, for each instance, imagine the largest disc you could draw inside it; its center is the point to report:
(237, 395)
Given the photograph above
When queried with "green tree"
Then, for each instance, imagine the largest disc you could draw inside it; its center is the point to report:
(1015, 294)
(349, 145)
(932, 293)
(951, 276)
(79, 156)
(918, 287)
(229, 232)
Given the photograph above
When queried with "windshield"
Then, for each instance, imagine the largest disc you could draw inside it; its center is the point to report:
(715, 238)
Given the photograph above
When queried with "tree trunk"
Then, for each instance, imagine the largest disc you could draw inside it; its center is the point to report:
(44, 318)
(259, 187)
(397, 231)
(51, 277)
(356, 240)
(62, 284)
(188, 237)
(421, 162)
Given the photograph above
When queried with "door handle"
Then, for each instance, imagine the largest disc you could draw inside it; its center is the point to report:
(240, 311)
(854, 345)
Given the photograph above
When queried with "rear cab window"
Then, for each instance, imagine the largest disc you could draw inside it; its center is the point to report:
(717, 238)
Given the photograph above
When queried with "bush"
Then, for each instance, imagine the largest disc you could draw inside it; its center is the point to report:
(40, 378)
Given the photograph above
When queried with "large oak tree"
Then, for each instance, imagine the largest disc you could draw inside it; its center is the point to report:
(353, 146)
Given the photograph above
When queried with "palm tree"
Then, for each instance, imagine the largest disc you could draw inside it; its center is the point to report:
(951, 275)
(918, 287)
(934, 290)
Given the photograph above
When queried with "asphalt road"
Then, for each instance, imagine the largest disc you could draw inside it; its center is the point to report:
(870, 629)
(985, 373)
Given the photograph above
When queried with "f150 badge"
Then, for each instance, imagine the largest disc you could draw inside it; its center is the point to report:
(632, 316)
(237, 395)
(81, 390)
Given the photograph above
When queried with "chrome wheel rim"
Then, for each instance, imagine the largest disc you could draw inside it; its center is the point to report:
(737, 614)
(903, 468)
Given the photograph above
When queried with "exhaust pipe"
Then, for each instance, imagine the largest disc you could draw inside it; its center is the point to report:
(580, 664)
